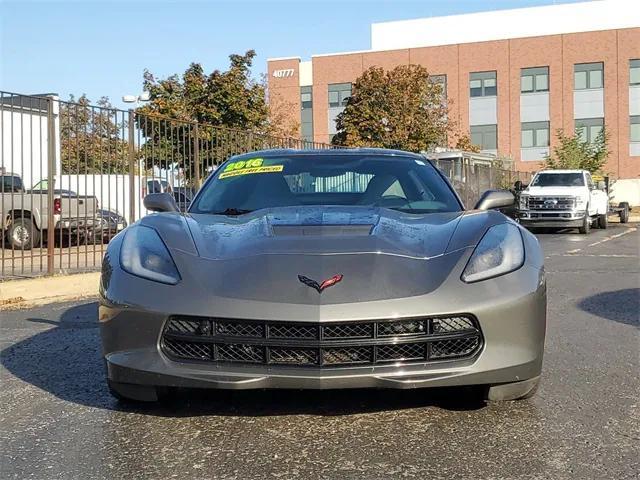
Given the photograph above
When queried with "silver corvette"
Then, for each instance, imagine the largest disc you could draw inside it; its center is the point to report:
(320, 270)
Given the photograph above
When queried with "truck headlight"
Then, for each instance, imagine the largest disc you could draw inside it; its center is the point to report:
(580, 202)
(500, 251)
(523, 202)
(144, 254)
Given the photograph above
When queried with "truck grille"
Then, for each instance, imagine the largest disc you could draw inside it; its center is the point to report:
(551, 203)
(321, 345)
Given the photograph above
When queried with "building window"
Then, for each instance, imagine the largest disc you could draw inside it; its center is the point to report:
(483, 84)
(339, 94)
(534, 80)
(440, 80)
(634, 72)
(306, 100)
(589, 128)
(306, 113)
(634, 129)
(535, 134)
(485, 136)
(588, 75)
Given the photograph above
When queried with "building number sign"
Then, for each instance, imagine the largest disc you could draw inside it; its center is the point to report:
(288, 72)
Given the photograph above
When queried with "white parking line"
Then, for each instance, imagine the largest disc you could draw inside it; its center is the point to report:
(606, 239)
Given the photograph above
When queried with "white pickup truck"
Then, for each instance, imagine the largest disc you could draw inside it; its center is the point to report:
(563, 199)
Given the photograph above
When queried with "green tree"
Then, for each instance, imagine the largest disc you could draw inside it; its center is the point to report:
(91, 137)
(572, 152)
(229, 98)
(229, 106)
(400, 108)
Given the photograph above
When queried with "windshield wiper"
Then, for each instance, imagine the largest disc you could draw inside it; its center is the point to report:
(232, 211)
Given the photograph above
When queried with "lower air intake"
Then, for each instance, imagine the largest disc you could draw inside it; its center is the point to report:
(321, 345)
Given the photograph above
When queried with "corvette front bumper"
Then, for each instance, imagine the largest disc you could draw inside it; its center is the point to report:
(511, 312)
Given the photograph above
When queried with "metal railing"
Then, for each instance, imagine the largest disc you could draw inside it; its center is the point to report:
(72, 175)
(471, 180)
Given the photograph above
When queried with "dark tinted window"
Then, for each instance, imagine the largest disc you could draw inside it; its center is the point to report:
(10, 183)
(558, 180)
(402, 183)
(180, 197)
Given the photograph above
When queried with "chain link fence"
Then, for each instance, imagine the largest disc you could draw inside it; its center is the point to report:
(73, 175)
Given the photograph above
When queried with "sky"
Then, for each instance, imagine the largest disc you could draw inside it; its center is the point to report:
(101, 48)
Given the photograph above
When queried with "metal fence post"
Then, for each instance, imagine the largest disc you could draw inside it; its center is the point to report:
(132, 167)
(491, 186)
(467, 182)
(51, 171)
(196, 158)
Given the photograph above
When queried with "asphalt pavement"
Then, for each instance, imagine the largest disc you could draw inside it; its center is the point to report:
(57, 419)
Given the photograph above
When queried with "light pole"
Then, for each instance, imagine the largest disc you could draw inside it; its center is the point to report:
(136, 99)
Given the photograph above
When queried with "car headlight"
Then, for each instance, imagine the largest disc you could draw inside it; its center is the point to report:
(144, 254)
(500, 251)
(523, 203)
(580, 202)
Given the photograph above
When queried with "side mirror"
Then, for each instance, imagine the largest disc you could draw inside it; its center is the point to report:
(495, 199)
(601, 185)
(160, 202)
(518, 186)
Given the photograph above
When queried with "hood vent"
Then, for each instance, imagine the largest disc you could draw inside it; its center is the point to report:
(321, 230)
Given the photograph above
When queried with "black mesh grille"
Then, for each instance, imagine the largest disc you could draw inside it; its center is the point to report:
(293, 331)
(451, 324)
(349, 330)
(237, 329)
(411, 327)
(321, 345)
(293, 356)
(240, 353)
(454, 347)
(346, 355)
(190, 350)
(188, 326)
(402, 351)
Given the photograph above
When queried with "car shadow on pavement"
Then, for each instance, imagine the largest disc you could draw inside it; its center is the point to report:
(64, 359)
(621, 306)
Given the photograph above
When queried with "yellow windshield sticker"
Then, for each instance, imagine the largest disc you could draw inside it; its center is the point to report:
(246, 171)
(251, 163)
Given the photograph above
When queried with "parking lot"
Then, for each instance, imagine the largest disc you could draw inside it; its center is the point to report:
(58, 420)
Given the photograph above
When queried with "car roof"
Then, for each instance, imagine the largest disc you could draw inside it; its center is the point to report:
(328, 152)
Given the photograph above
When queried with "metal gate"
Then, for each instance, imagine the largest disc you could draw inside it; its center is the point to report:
(74, 175)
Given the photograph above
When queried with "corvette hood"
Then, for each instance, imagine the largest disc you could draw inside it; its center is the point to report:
(322, 231)
(381, 253)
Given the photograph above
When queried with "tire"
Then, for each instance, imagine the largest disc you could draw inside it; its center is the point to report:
(624, 213)
(586, 223)
(513, 391)
(22, 234)
(130, 393)
(603, 221)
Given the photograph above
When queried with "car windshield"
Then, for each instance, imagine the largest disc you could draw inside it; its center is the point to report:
(252, 183)
(558, 180)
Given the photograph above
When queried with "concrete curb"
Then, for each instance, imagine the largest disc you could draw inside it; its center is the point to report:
(31, 292)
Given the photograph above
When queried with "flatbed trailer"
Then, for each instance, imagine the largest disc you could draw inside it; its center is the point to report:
(622, 209)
